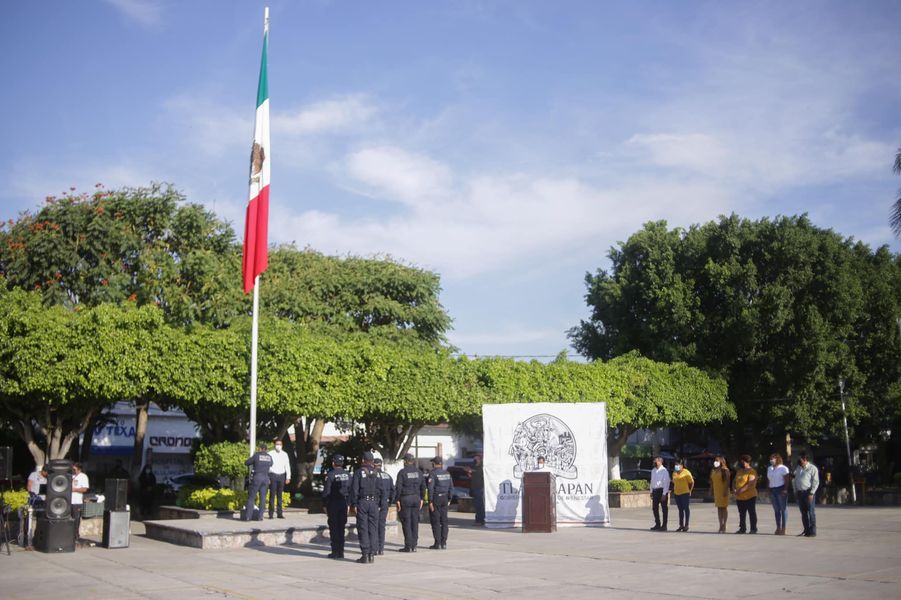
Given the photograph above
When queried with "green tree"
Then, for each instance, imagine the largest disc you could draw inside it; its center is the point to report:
(379, 296)
(136, 244)
(60, 368)
(638, 392)
(779, 308)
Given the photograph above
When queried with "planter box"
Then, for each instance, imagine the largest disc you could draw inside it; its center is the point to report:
(629, 499)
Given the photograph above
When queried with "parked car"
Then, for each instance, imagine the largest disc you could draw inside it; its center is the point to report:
(460, 476)
(176, 482)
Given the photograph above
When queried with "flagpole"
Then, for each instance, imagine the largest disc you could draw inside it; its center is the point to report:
(255, 328)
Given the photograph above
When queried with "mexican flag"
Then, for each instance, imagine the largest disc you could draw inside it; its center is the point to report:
(256, 226)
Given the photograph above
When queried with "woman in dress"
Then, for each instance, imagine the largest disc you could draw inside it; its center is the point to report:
(719, 484)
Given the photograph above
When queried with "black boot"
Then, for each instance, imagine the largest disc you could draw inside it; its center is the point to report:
(412, 548)
(404, 549)
(435, 546)
(363, 559)
(370, 558)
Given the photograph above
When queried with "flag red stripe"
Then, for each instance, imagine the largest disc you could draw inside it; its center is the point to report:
(256, 238)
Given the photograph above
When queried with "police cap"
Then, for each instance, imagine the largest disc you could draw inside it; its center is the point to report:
(409, 457)
(367, 455)
(437, 460)
(338, 459)
(377, 461)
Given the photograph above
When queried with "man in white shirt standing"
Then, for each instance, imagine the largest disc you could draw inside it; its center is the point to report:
(279, 475)
(660, 482)
(80, 486)
(35, 481)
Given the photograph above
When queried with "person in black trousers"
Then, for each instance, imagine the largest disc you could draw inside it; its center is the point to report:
(386, 485)
(439, 488)
(335, 494)
(365, 496)
(409, 490)
(259, 482)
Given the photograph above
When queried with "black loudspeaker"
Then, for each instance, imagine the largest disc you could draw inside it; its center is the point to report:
(6, 462)
(59, 489)
(116, 494)
(115, 528)
(54, 535)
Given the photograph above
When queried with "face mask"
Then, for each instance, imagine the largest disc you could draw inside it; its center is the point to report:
(278, 448)
(677, 468)
(716, 464)
(773, 461)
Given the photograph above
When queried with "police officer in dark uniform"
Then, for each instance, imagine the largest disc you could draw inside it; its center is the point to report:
(408, 491)
(386, 484)
(440, 484)
(366, 495)
(259, 482)
(335, 495)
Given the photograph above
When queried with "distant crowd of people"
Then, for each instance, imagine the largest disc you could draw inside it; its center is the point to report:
(740, 486)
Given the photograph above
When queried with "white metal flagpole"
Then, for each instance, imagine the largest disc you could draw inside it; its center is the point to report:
(255, 329)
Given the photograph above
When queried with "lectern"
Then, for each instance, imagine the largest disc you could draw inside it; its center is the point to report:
(539, 502)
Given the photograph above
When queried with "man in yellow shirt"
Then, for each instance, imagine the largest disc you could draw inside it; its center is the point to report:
(745, 489)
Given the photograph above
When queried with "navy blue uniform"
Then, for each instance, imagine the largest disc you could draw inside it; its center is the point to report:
(386, 486)
(440, 484)
(366, 495)
(409, 490)
(259, 483)
(335, 494)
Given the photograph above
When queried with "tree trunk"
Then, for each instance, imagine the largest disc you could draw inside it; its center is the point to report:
(26, 431)
(616, 441)
(142, 410)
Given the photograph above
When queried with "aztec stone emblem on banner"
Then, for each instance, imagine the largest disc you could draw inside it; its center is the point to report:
(544, 435)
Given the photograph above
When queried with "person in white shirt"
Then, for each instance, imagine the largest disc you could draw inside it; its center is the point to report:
(660, 482)
(37, 478)
(541, 466)
(80, 485)
(279, 476)
(777, 475)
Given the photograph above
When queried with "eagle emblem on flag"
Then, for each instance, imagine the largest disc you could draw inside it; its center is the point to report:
(257, 156)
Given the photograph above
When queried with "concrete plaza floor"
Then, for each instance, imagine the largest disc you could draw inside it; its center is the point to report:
(857, 554)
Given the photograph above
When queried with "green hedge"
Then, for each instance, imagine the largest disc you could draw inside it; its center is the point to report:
(619, 485)
(213, 499)
(15, 499)
(640, 485)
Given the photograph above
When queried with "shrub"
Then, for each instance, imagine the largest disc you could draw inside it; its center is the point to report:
(619, 485)
(213, 499)
(640, 485)
(896, 479)
(15, 499)
(225, 459)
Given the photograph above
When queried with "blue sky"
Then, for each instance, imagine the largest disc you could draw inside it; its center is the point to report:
(505, 145)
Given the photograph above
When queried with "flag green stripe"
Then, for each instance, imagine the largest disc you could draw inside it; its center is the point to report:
(263, 89)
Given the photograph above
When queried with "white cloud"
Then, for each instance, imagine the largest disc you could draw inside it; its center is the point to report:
(145, 12)
(209, 127)
(463, 225)
(397, 174)
(337, 115)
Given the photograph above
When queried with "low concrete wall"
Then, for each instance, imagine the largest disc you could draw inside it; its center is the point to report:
(629, 499)
(241, 536)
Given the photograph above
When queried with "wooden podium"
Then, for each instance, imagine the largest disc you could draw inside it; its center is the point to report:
(539, 502)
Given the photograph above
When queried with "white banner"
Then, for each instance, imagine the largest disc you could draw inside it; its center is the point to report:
(573, 440)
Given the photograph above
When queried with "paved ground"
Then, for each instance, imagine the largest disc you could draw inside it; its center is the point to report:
(856, 555)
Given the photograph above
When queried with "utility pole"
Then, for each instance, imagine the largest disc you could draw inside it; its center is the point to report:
(841, 393)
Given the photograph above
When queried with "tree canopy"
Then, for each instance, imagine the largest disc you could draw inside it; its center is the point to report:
(780, 308)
